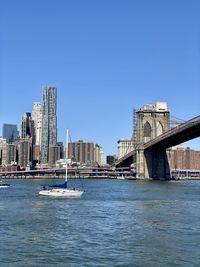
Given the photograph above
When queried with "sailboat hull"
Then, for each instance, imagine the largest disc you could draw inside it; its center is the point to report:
(61, 193)
(4, 186)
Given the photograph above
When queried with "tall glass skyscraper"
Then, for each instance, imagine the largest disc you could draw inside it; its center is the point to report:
(10, 132)
(27, 126)
(49, 122)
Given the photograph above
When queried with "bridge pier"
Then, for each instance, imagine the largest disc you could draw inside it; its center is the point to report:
(153, 164)
(144, 164)
(140, 164)
(158, 164)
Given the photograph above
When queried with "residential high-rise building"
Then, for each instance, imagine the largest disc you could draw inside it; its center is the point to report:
(3, 151)
(27, 139)
(54, 154)
(62, 154)
(10, 132)
(49, 122)
(98, 155)
(85, 152)
(11, 154)
(25, 152)
(36, 153)
(37, 118)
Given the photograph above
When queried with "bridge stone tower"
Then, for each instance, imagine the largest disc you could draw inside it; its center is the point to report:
(152, 121)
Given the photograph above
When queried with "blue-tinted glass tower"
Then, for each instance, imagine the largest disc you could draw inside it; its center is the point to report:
(10, 132)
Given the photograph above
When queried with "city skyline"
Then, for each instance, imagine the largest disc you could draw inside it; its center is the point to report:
(105, 58)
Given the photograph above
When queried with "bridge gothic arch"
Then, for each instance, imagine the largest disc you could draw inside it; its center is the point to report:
(159, 128)
(147, 132)
(152, 121)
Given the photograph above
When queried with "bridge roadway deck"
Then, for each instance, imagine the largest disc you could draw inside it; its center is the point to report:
(177, 135)
(128, 158)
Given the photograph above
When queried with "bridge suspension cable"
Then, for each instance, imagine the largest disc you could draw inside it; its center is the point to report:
(174, 121)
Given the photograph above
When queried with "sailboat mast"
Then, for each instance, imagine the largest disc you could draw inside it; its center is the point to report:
(66, 155)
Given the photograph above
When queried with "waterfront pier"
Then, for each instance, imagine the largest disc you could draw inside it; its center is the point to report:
(55, 173)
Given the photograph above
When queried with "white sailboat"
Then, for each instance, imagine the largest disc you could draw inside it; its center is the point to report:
(62, 190)
(4, 185)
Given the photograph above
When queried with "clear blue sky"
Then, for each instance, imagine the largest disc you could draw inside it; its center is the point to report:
(105, 57)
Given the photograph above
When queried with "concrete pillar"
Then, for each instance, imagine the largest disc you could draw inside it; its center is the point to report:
(160, 165)
(140, 173)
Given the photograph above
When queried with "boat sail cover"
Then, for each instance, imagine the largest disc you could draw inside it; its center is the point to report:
(64, 185)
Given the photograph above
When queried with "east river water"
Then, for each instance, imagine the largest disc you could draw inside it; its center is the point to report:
(115, 223)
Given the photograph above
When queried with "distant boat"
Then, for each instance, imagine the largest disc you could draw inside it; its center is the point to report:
(61, 190)
(121, 177)
(4, 185)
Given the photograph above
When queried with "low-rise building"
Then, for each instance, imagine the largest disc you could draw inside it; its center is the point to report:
(124, 147)
(185, 158)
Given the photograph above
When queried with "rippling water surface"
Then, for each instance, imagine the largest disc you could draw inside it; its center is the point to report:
(115, 223)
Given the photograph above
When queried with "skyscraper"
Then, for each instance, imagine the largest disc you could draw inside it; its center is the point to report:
(11, 153)
(2, 151)
(37, 118)
(27, 126)
(10, 132)
(27, 140)
(25, 152)
(49, 122)
(82, 152)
